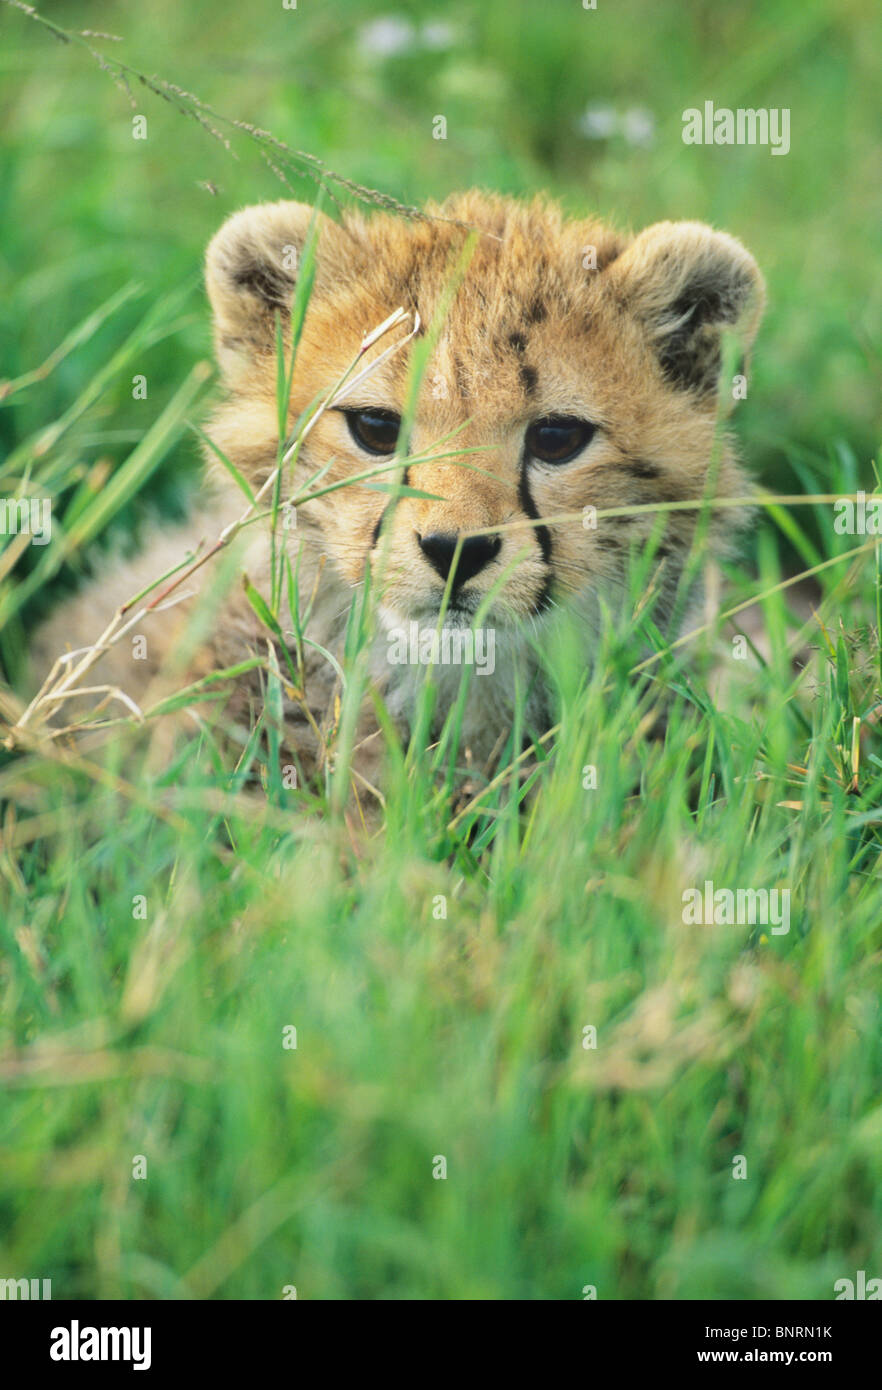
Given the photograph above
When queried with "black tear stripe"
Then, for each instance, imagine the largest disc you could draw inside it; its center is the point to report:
(640, 468)
(382, 517)
(528, 506)
(377, 529)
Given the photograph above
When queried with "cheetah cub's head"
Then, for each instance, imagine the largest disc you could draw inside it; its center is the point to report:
(573, 368)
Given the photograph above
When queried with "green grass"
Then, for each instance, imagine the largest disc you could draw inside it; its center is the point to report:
(162, 926)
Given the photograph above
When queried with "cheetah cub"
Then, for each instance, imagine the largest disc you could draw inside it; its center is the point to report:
(571, 367)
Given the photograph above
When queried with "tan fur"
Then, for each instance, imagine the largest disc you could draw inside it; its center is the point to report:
(532, 331)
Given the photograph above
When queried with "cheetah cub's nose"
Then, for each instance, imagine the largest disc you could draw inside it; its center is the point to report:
(439, 548)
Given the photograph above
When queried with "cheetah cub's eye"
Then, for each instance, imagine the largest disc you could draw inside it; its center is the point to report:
(558, 438)
(375, 431)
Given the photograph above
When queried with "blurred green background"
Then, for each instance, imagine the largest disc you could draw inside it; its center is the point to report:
(585, 104)
(162, 1037)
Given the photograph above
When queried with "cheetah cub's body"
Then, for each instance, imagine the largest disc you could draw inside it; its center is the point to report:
(573, 368)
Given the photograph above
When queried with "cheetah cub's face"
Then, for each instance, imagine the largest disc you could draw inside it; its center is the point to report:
(573, 368)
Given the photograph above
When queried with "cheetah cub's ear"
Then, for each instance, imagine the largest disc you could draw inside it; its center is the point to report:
(686, 283)
(251, 268)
